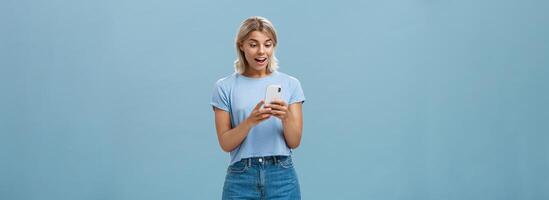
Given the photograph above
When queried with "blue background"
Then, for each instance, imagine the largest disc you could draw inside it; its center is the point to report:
(408, 99)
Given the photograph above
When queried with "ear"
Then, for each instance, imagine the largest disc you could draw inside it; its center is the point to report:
(240, 46)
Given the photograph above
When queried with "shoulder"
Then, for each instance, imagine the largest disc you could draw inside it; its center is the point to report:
(288, 77)
(226, 80)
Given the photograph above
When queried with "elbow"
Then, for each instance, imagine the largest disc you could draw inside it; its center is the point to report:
(293, 142)
(223, 144)
(226, 149)
(293, 145)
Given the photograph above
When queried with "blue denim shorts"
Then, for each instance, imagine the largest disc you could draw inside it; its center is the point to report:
(271, 177)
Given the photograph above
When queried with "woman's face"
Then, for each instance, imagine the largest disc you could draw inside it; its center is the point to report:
(257, 48)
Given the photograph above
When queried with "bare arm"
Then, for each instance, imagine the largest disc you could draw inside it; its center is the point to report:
(292, 121)
(230, 138)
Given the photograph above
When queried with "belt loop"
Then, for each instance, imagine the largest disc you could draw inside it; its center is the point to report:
(275, 158)
(249, 162)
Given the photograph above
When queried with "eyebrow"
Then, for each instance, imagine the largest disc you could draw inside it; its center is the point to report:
(269, 40)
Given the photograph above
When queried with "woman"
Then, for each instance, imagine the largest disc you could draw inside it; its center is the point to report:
(260, 137)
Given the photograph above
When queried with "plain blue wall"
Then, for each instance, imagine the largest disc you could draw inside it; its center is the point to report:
(409, 99)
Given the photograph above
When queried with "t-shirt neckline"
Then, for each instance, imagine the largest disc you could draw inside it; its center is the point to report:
(260, 78)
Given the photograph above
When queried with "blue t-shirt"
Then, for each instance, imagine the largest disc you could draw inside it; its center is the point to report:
(238, 95)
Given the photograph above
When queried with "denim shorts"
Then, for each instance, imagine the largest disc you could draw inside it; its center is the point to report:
(271, 177)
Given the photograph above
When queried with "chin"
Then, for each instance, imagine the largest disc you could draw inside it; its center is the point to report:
(259, 68)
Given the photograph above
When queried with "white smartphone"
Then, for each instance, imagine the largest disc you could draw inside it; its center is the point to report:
(273, 92)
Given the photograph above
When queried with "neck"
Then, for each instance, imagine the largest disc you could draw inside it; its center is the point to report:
(255, 73)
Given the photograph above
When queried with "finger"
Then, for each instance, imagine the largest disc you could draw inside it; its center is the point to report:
(263, 119)
(279, 102)
(276, 112)
(259, 105)
(277, 107)
(279, 116)
(268, 110)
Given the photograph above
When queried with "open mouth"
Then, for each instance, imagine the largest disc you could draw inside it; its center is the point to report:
(261, 60)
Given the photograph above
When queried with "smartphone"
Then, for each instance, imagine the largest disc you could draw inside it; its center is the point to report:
(273, 92)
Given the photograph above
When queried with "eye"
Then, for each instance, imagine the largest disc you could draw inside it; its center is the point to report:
(268, 45)
(253, 45)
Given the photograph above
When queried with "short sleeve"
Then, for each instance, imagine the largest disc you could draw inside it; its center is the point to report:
(219, 98)
(297, 95)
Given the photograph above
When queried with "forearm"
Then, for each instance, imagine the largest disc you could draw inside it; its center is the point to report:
(234, 137)
(292, 132)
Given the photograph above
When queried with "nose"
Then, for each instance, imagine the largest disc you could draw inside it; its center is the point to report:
(261, 49)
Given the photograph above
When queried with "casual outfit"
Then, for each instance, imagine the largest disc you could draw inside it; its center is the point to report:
(261, 167)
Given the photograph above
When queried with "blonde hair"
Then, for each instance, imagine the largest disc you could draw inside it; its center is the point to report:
(254, 23)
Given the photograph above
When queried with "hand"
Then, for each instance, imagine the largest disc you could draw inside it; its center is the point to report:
(279, 108)
(259, 114)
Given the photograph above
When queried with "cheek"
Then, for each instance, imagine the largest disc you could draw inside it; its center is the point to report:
(250, 51)
(247, 53)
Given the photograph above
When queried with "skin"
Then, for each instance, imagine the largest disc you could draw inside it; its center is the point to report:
(259, 45)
